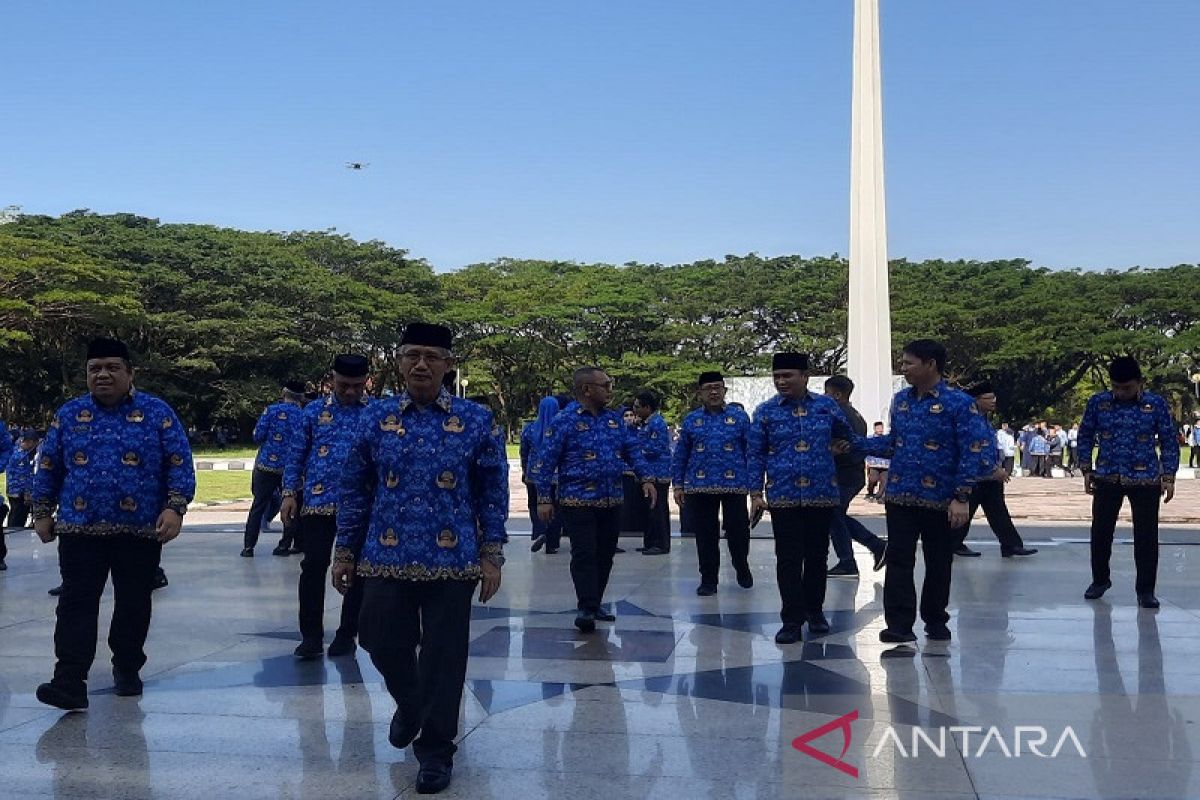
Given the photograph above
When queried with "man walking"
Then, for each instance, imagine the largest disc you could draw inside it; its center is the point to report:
(851, 476)
(273, 435)
(1137, 458)
(117, 468)
(655, 441)
(424, 498)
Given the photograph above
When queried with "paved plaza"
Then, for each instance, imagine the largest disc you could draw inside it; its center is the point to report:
(681, 697)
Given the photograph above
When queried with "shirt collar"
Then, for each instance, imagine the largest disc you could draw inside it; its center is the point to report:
(443, 401)
(935, 392)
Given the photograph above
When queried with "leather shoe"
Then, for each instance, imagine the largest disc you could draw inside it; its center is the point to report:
(309, 649)
(888, 636)
(585, 621)
(538, 543)
(788, 634)
(1018, 551)
(3, 566)
(654, 551)
(126, 683)
(1097, 590)
(56, 591)
(247, 552)
(745, 577)
(73, 699)
(281, 551)
(604, 616)
(967, 552)
(1148, 600)
(619, 550)
(706, 590)
(342, 645)
(880, 558)
(160, 579)
(551, 551)
(400, 735)
(843, 571)
(433, 778)
(818, 624)
(937, 633)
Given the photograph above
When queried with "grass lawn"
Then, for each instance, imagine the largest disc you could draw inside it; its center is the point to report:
(224, 452)
(212, 485)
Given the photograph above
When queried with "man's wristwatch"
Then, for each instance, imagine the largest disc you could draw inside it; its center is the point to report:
(495, 559)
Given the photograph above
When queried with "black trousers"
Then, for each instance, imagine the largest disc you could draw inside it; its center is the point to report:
(593, 533)
(906, 525)
(633, 506)
(263, 486)
(657, 532)
(1106, 504)
(86, 562)
(1194, 456)
(317, 533)
(397, 616)
(552, 530)
(703, 510)
(18, 513)
(989, 495)
(801, 550)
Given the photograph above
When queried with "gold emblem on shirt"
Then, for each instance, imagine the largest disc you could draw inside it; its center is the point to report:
(929, 482)
(730, 421)
(447, 539)
(800, 411)
(135, 416)
(612, 423)
(177, 459)
(453, 425)
(700, 474)
(730, 474)
(391, 423)
(801, 446)
(700, 447)
(84, 416)
(130, 459)
(803, 482)
(389, 538)
(80, 504)
(589, 455)
(128, 504)
(447, 480)
(281, 415)
(46, 463)
(278, 437)
(80, 459)
(318, 489)
(323, 450)
(393, 480)
(325, 418)
(932, 445)
(728, 447)
(936, 408)
(166, 423)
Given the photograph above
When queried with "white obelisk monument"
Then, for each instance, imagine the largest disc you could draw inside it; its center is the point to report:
(870, 338)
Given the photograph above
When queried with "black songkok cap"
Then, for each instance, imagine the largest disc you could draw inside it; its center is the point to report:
(350, 366)
(29, 433)
(981, 388)
(790, 361)
(709, 377)
(1124, 368)
(295, 387)
(427, 335)
(103, 347)
(312, 394)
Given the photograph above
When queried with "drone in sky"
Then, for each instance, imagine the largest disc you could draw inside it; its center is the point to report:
(357, 165)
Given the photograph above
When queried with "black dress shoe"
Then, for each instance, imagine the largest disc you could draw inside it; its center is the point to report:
(342, 645)
(1097, 590)
(68, 699)
(706, 590)
(551, 551)
(309, 649)
(585, 621)
(967, 552)
(295, 551)
(745, 577)
(281, 550)
(56, 591)
(247, 552)
(654, 551)
(937, 633)
(1018, 551)
(818, 624)
(400, 733)
(880, 558)
(604, 616)
(1148, 600)
(619, 550)
(843, 571)
(3, 566)
(788, 634)
(126, 683)
(160, 579)
(433, 778)
(538, 543)
(888, 636)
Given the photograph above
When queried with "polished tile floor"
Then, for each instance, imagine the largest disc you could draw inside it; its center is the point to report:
(1041, 694)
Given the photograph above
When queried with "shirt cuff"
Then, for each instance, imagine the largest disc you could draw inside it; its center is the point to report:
(177, 503)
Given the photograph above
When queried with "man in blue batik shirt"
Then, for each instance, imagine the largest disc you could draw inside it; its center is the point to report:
(711, 477)
(424, 499)
(791, 448)
(655, 441)
(117, 467)
(311, 482)
(19, 483)
(589, 449)
(1137, 457)
(940, 447)
(6, 450)
(273, 434)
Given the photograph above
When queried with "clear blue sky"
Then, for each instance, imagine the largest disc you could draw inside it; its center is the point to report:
(1065, 131)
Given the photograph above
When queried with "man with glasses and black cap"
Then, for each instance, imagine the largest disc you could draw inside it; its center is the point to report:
(791, 449)
(116, 467)
(711, 477)
(273, 435)
(424, 499)
(588, 449)
(1137, 458)
(311, 484)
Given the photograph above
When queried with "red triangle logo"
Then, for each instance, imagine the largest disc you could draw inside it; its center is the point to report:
(842, 723)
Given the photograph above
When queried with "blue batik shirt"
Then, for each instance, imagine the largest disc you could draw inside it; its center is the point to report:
(6, 445)
(589, 453)
(318, 452)
(112, 471)
(20, 472)
(274, 433)
(655, 441)
(940, 446)
(790, 449)
(424, 492)
(710, 456)
(1129, 437)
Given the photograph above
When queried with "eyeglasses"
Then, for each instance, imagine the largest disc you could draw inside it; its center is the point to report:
(605, 385)
(430, 358)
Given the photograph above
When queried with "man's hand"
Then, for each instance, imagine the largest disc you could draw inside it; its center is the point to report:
(839, 447)
(1001, 474)
(545, 511)
(1168, 491)
(343, 576)
(491, 580)
(650, 493)
(679, 497)
(44, 528)
(287, 510)
(757, 505)
(1087, 482)
(168, 525)
(958, 513)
